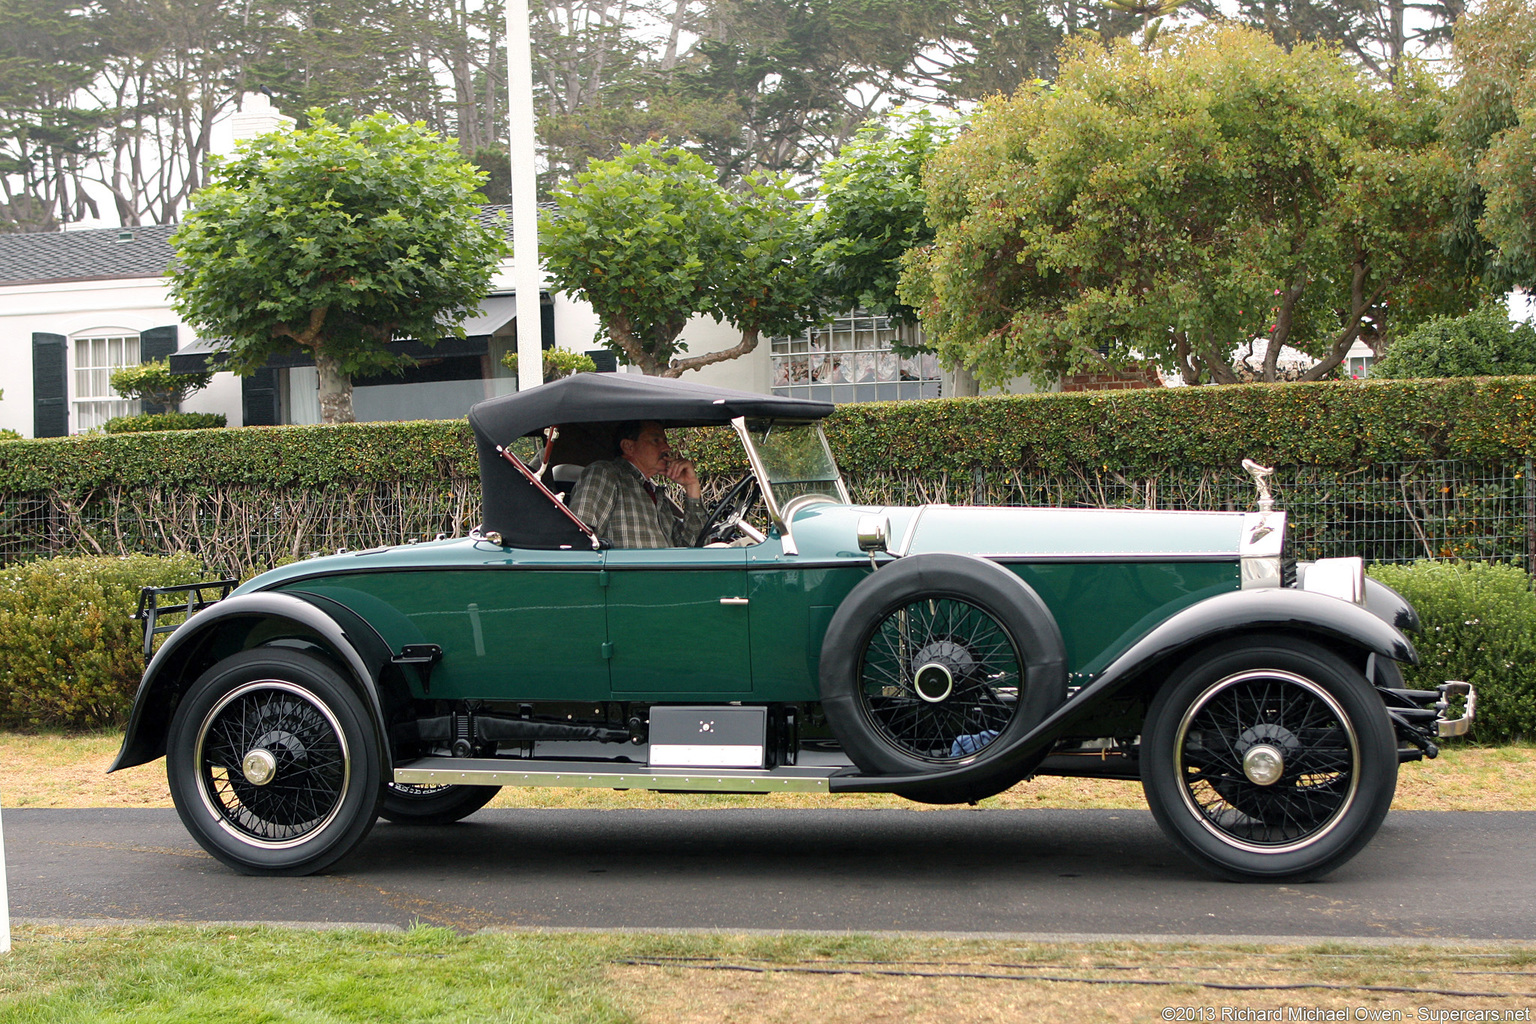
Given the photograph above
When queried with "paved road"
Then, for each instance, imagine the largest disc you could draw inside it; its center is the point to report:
(1426, 875)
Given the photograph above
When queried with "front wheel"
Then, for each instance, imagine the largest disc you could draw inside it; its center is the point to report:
(1268, 758)
(273, 763)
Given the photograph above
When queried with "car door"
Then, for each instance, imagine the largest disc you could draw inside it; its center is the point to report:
(678, 623)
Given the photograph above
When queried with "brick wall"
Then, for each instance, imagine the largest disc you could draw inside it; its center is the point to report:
(1113, 380)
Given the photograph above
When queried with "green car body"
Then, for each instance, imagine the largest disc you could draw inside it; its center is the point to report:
(610, 624)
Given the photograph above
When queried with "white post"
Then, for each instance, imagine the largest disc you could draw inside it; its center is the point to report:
(5, 900)
(526, 276)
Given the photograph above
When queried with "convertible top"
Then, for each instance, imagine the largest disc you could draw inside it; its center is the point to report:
(520, 511)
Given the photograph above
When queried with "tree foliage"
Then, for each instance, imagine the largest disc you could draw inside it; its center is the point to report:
(1483, 343)
(651, 239)
(1382, 36)
(153, 382)
(1169, 204)
(871, 213)
(1491, 129)
(335, 240)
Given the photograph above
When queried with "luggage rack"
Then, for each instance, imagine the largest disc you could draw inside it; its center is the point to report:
(151, 608)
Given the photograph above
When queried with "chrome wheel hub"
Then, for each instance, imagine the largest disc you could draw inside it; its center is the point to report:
(933, 682)
(259, 766)
(1263, 764)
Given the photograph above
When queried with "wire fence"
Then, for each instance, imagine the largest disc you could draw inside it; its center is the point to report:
(1389, 512)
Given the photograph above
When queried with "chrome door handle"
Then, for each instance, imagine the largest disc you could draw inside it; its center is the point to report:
(734, 600)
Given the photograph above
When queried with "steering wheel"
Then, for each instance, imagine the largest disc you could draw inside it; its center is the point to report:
(729, 510)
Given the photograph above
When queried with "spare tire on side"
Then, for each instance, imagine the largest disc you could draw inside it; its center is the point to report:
(937, 661)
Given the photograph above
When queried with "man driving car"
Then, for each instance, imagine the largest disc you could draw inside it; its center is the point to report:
(618, 498)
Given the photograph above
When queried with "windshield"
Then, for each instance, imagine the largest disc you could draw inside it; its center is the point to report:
(796, 460)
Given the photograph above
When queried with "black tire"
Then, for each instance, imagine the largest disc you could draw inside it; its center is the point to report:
(1268, 758)
(273, 763)
(937, 661)
(406, 804)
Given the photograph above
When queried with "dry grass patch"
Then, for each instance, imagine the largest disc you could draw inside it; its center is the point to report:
(996, 982)
(57, 770)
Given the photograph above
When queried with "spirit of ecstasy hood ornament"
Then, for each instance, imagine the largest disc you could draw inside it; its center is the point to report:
(1261, 475)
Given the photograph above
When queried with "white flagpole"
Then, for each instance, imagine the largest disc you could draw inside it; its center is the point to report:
(5, 900)
(526, 276)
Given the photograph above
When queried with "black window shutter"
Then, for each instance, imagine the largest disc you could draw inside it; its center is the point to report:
(546, 322)
(157, 343)
(50, 386)
(258, 398)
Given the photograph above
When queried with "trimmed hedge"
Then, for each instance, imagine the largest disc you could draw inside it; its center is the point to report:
(69, 653)
(313, 456)
(164, 421)
(1479, 626)
(1335, 423)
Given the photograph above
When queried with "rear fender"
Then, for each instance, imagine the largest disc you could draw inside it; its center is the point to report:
(251, 620)
(1146, 663)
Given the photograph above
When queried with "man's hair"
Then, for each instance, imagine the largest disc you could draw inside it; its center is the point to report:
(629, 430)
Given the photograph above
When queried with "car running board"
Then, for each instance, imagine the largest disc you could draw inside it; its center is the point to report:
(465, 771)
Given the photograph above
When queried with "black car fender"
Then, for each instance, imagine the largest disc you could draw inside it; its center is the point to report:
(1267, 610)
(226, 628)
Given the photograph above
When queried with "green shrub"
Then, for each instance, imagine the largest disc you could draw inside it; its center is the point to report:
(1479, 624)
(558, 363)
(153, 382)
(69, 653)
(7, 434)
(1482, 343)
(164, 421)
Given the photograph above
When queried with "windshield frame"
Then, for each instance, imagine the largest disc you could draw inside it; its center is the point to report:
(760, 470)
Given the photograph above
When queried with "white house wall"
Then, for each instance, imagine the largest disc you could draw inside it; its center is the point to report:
(72, 308)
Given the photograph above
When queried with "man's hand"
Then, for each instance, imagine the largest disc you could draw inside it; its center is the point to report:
(681, 471)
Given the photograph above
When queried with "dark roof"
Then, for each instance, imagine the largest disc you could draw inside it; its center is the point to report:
(108, 253)
(97, 254)
(519, 511)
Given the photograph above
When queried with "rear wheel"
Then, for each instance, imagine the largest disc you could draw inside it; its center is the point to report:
(1269, 758)
(273, 764)
(407, 804)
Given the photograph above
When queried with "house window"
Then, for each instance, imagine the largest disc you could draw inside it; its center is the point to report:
(1360, 366)
(95, 357)
(850, 360)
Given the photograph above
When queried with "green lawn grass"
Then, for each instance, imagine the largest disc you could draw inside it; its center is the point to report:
(197, 974)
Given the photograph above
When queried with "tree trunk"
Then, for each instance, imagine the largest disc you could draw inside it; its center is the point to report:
(966, 384)
(335, 391)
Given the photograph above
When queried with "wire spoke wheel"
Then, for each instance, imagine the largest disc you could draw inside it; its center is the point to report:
(272, 763)
(1268, 757)
(940, 679)
(1287, 722)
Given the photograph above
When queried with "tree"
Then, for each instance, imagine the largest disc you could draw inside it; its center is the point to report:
(1171, 204)
(1484, 343)
(153, 382)
(651, 240)
(871, 214)
(1382, 35)
(48, 54)
(335, 240)
(1491, 130)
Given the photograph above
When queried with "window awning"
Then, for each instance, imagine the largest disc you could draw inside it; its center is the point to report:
(496, 312)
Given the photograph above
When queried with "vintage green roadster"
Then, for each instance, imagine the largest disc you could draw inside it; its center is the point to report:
(941, 653)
